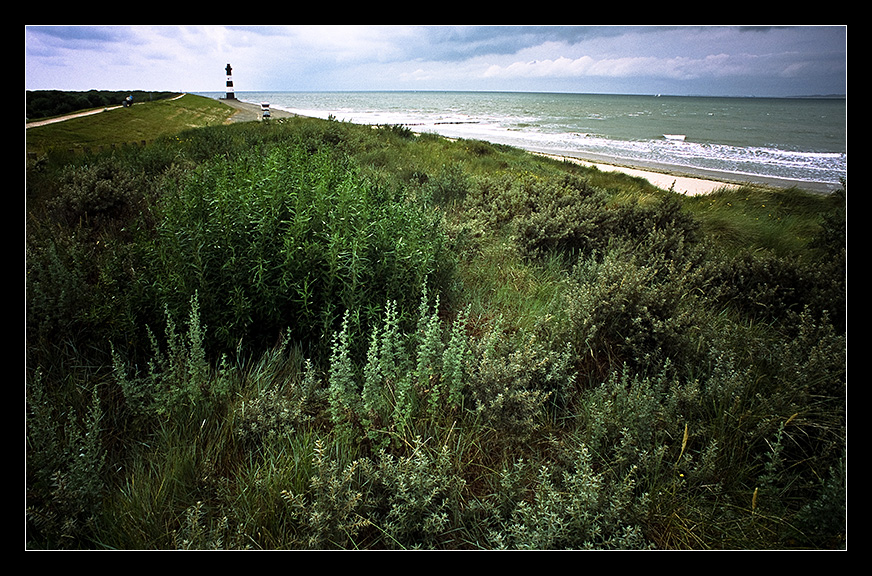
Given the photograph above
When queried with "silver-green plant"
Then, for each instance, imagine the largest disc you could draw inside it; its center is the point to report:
(511, 379)
(281, 405)
(384, 363)
(429, 349)
(418, 495)
(454, 361)
(577, 507)
(199, 533)
(179, 378)
(332, 512)
(343, 396)
(386, 394)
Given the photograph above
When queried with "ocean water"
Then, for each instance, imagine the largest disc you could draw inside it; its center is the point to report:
(801, 139)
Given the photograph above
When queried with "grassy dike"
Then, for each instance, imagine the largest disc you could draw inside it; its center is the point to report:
(144, 121)
(308, 334)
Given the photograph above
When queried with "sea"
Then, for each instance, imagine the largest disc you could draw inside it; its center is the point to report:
(800, 139)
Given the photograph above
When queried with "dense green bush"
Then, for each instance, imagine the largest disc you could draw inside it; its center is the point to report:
(625, 307)
(567, 216)
(291, 240)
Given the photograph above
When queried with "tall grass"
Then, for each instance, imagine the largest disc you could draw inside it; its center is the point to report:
(310, 334)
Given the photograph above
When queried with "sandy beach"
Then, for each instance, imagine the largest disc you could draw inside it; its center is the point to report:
(692, 182)
(680, 179)
(682, 184)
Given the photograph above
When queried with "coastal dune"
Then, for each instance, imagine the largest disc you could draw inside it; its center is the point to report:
(666, 178)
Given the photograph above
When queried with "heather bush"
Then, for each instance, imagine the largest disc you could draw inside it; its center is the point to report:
(57, 289)
(506, 198)
(96, 197)
(449, 186)
(564, 214)
(80, 267)
(764, 286)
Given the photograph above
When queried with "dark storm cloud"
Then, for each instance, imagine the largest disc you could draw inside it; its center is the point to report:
(78, 37)
(457, 43)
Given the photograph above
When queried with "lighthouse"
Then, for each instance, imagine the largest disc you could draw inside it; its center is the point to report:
(229, 95)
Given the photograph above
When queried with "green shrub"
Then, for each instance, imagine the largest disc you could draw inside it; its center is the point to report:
(66, 459)
(512, 382)
(569, 507)
(179, 377)
(625, 307)
(291, 240)
(767, 287)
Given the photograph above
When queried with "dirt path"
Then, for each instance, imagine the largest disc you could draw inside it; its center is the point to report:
(67, 117)
(76, 115)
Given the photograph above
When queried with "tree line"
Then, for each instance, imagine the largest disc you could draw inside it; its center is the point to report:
(48, 103)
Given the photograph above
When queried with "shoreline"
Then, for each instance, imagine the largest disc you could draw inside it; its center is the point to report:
(690, 181)
(681, 183)
(681, 179)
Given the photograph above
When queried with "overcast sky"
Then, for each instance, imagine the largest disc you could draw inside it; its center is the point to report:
(703, 60)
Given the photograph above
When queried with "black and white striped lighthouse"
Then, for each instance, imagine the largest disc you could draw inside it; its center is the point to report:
(229, 95)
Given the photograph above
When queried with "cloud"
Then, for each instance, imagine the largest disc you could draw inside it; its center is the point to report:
(389, 57)
(677, 54)
(626, 67)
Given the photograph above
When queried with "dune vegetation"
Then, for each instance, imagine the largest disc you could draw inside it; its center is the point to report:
(310, 334)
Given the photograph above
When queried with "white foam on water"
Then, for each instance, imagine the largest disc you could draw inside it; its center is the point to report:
(525, 129)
